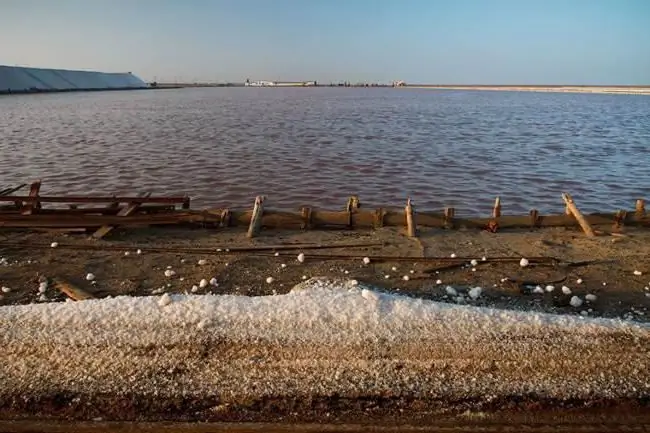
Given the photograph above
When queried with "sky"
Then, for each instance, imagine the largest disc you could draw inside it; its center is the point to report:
(419, 41)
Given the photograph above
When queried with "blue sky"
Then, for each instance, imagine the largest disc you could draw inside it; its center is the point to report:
(420, 41)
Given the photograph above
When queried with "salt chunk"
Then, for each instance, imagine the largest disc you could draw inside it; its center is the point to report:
(451, 291)
(412, 271)
(183, 260)
(301, 257)
(386, 276)
(591, 297)
(42, 287)
(550, 288)
(213, 282)
(90, 277)
(453, 255)
(475, 292)
(203, 283)
(370, 295)
(269, 280)
(538, 290)
(604, 283)
(181, 278)
(202, 262)
(304, 277)
(169, 273)
(579, 281)
(6, 289)
(474, 262)
(165, 300)
(278, 254)
(523, 262)
(353, 283)
(54, 244)
(366, 260)
(126, 253)
(575, 301)
(483, 259)
(346, 272)
(138, 252)
(406, 278)
(43, 298)
(566, 290)
(438, 282)
(637, 273)
(194, 289)
(283, 265)
(394, 269)
(473, 269)
(584, 313)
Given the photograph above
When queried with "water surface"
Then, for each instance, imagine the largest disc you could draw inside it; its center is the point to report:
(317, 146)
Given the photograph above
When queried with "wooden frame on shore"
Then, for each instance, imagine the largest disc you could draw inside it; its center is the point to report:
(27, 212)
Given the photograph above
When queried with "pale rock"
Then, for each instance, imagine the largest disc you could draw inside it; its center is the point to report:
(523, 262)
(90, 277)
(203, 283)
(575, 301)
(591, 297)
(165, 300)
(301, 257)
(202, 262)
(566, 290)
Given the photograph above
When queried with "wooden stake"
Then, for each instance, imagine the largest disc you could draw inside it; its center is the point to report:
(584, 224)
(33, 193)
(256, 218)
(353, 203)
(71, 291)
(640, 208)
(496, 211)
(410, 223)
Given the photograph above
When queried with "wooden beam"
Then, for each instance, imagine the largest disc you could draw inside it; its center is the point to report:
(124, 212)
(584, 224)
(496, 210)
(71, 291)
(9, 191)
(94, 199)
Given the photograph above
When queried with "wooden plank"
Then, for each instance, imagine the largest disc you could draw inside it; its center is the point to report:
(584, 224)
(71, 291)
(124, 212)
(94, 199)
(28, 209)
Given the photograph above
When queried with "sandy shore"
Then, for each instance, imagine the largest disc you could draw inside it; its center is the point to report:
(625, 90)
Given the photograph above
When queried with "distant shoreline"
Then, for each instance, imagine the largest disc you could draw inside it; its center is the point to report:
(554, 88)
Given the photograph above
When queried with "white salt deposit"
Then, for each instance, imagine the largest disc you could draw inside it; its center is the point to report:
(194, 289)
(90, 277)
(54, 244)
(637, 273)
(523, 262)
(169, 273)
(203, 283)
(579, 281)
(453, 255)
(296, 343)
(366, 260)
(406, 278)
(269, 280)
(301, 257)
(575, 301)
(483, 259)
(386, 276)
(538, 290)
(283, 265)
(438, 282)
(214, 282)
(6, 289)
(126, 253)
(42, 287)
(278, 255)
(138, 252)
(591, 297)
(165, 300)
(42, 298)
(394, 269)
(566, 290)
(202, 262)
(550, 288)
(474, 262)
(451, 291)
(475, 292)
(304, 277)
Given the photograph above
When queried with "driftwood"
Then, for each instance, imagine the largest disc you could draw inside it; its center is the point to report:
(129, 210)
(256, 217)
(33, 193)
(584, 224)
(71, 291)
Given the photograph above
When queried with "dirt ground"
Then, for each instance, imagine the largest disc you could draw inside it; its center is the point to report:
(617, 269)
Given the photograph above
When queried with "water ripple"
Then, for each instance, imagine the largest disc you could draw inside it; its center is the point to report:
(317, 146)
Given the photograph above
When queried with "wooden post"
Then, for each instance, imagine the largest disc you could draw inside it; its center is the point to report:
(256, 218)
(71, 291)
(640, 208)
(410, 222)
(449, 216)
(586, 227)
(496, 211)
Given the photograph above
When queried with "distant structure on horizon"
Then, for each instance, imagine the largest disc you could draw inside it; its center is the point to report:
(262, 83)
(14, 79)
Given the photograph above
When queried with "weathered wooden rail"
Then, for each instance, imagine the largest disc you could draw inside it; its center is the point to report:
(27, 212)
